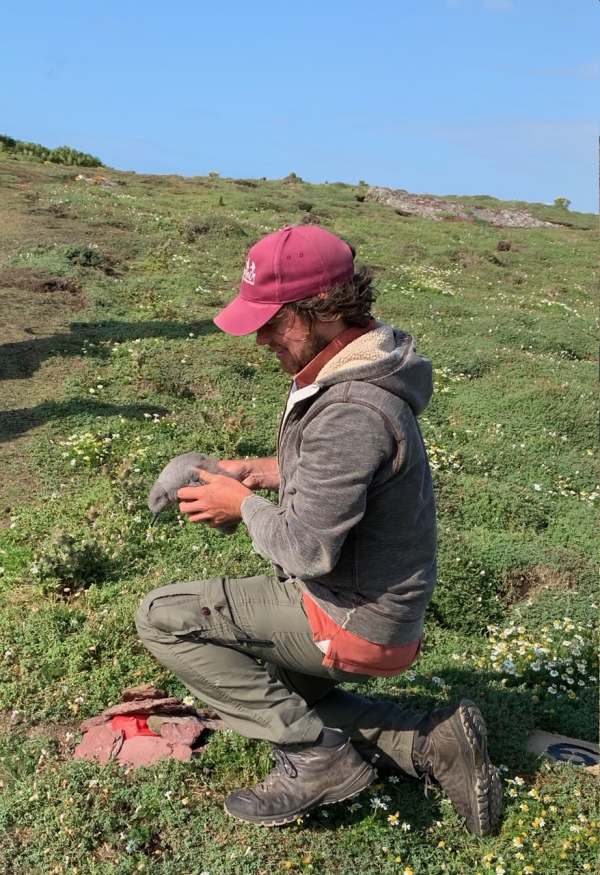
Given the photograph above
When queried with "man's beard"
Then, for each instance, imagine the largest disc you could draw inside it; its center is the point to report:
(313, 346)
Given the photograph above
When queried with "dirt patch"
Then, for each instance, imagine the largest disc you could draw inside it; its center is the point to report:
(62, 735)
(40, 282)
(12, 721)
(106, 854)
(523, 583)
(438, 209)
(59, 732)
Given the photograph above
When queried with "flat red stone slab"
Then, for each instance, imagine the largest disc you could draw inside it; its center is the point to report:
(184, 730)
(143, 691)
(99, 745)
(144, 750)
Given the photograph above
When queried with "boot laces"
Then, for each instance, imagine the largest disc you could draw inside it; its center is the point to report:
(283, 761)
(428, 784)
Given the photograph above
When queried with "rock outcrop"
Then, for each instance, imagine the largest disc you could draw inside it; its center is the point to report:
(437, 208)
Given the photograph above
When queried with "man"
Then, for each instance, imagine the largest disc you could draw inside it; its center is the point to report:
(352, 540)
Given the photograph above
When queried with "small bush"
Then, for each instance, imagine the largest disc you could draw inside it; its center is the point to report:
(198, 226)
(69, 564)
(263, 206)
(7, 143)
(89, 256)
(166, 378)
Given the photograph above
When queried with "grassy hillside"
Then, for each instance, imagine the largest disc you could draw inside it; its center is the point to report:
(111, 364)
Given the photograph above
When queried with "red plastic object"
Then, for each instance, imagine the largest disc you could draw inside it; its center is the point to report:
(131, 726)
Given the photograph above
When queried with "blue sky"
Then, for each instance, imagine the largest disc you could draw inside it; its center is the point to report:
(443, 96)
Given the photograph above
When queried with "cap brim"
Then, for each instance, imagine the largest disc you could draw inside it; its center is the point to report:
(244, 317)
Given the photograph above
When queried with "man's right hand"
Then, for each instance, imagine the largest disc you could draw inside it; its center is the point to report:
(253, 473)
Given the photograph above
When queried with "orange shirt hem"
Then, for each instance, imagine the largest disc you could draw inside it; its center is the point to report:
(351, 653)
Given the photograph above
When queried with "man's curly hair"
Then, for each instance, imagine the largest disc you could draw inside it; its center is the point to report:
(350, 302)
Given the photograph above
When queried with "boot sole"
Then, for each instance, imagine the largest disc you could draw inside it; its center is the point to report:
(353, 787)
(487, 785)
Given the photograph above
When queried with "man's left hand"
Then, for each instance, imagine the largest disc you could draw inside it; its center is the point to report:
(217, 502)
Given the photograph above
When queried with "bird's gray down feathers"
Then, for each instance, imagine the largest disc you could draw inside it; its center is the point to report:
(181, 471)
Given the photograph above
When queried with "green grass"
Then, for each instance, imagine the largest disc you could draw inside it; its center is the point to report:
(97, 399)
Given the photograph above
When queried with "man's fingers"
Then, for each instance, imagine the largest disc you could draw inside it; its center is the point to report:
(189, 492)
(192, 507)
(201, 517)
(207, 476)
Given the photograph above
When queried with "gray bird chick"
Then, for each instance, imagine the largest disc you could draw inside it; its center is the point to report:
(179, 472)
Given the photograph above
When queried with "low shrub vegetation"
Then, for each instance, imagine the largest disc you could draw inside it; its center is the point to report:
(35, 151)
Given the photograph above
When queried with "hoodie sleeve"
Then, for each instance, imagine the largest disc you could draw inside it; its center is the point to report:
(340, 453)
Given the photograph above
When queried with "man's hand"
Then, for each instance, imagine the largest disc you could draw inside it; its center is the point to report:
(253, 473)
(216, 503)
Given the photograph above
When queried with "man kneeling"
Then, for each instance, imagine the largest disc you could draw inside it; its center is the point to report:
(353, 544)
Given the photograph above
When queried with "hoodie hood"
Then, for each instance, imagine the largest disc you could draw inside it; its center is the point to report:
(387, 358)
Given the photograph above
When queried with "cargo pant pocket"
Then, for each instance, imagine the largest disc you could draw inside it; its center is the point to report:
(196, 609)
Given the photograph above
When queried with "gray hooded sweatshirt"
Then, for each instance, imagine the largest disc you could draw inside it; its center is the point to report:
(355, 523)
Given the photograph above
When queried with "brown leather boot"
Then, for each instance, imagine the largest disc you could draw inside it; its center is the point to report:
(304, 777)
(450, 746)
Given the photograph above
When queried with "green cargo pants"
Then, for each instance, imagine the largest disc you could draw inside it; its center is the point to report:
(245, 648)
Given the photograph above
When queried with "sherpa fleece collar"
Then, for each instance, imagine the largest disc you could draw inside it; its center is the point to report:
(377, 344)
(385, 357)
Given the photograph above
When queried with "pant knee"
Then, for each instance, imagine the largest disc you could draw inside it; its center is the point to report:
(195, 608)
(158, 611)
(145, 629)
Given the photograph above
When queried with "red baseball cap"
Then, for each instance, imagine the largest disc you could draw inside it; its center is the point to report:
(288, 265)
